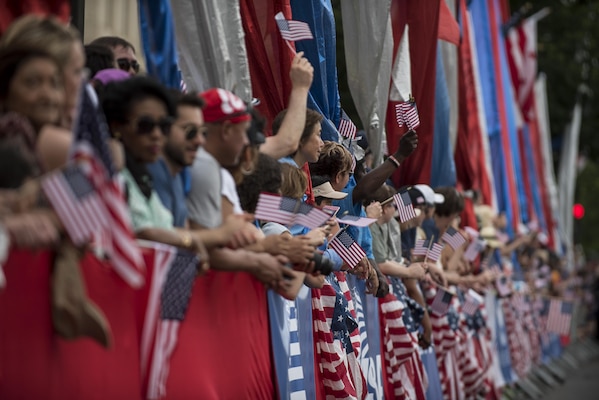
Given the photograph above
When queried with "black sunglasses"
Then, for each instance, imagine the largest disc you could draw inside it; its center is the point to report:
(125, 64)
(191, 132)
(145, 125)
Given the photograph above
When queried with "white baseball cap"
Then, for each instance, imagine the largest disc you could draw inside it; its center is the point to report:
(430, 196)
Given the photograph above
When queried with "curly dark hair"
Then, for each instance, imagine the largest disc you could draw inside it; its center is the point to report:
(266, 177)
(119, 97)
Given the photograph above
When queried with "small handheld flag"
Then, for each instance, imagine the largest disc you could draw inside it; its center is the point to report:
(560, 316)
(404, 206)
(407, 113)
(347, 248)
(431, 251)
(293, 30)
(346, 126)
(453, 238)
(76, 202)
(442, 301)
(472, 303)
(288, 211)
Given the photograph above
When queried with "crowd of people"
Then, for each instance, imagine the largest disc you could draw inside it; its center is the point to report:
(191, 167)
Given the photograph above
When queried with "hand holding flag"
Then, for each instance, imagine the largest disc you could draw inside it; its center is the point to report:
(407, 113)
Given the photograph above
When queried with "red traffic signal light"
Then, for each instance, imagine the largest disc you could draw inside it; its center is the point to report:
(578, 211)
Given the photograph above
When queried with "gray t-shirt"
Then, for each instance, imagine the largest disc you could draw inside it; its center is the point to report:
(204, 199)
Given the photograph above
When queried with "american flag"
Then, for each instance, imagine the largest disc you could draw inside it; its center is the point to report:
(442, 301)
(346, 127)
(293, 30)
(77, 204)
(404, 206)
(399, 344)
(453, 238)
(337, 340)
(472, 303)
(331, 210)
(91, 152)
(288, 211)
(347, 248)
(502, 284)
(560, 316)
(353, 220)
(422, 249)
(407, 113)
(473, 249)
(310, 217)
(172, 275)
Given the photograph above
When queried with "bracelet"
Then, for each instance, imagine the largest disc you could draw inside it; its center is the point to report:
(393, 160)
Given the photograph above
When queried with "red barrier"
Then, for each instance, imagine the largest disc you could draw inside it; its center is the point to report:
(223, 349)
(35, 363)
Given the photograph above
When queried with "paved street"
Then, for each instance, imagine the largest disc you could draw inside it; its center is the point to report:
(582, 384)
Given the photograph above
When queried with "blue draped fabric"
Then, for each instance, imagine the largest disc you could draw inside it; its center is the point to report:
(158, 40)
(442, 164)
(324, 93)
(484, 49)
(533, 179)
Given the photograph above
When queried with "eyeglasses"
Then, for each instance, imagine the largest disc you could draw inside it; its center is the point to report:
(192, 131)
(145, 125)
(125, 64)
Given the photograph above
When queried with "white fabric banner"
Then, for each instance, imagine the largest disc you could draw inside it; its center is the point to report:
(211, 45)
(542, 113)
(567, 180)
(368, 41)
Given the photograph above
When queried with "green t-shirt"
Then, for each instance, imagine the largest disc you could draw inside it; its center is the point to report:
(145, 213)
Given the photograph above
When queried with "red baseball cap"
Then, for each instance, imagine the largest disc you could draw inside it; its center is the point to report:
(221, 105)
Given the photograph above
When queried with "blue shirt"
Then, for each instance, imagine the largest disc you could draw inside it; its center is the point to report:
(170, 190)
(430, 229)
(361, 235)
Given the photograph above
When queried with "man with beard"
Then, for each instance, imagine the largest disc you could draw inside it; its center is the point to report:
(179, 151)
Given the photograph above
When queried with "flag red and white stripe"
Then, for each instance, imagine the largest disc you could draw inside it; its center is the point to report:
(346, 127)
(347, 248)
(76, 202)
(404, 206)
(474, 249)
(293, 30)
(341, 374)
(472, 303)
(288, 211)
(442, 301)
(407, 113)
(560, 316)
(453, 238)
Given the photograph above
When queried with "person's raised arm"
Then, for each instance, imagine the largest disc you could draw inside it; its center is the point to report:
(375, 178)
(287, 139)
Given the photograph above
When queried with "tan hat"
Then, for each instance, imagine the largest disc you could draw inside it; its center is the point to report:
(326, 190)
(489, 235)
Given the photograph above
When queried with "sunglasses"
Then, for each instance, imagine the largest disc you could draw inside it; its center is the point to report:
(191, 132)
(146, 125)
(125, 64)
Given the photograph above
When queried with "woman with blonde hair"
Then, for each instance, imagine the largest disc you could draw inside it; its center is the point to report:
(64, 44)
